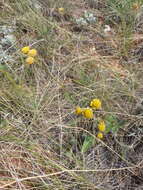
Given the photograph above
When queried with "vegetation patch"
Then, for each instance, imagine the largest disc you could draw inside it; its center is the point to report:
(71, 103)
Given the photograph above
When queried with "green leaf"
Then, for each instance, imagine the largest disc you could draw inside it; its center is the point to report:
(88, 142)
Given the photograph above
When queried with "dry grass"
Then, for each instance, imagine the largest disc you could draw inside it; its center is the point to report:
(41, 138)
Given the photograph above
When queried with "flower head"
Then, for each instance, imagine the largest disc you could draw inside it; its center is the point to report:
(61, 10)
(95, 103)
(78, 110)
(88, 113)
(30, 60)
(32, 53)
(102, 126)
(100, 135)
(135, 6)
(25, 49)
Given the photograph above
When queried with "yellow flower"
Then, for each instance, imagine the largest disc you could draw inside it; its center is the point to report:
(100, 135)
(25, 49)
(78, 110)
(102, 126)
(61, 10)
(88, 113)
(32, 53)
(135, 6)
(30, 60)
(95, 103)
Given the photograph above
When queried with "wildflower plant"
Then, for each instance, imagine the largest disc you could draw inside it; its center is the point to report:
(89, 113)
(92, 115)
(94, 118)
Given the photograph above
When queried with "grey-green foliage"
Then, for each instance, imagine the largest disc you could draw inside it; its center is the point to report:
(112, 123)
(87, 18)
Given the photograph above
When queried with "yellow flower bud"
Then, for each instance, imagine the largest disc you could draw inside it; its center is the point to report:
(78, 110)
(95, 103)
(88, 113)
(61, 10)
(32, 53)
(100, 135)
(25, 49)
(101, 126)
(30, 60)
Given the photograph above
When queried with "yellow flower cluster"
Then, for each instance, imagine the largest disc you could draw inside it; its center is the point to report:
(86, 112)
(95, 104)
(31, 54)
